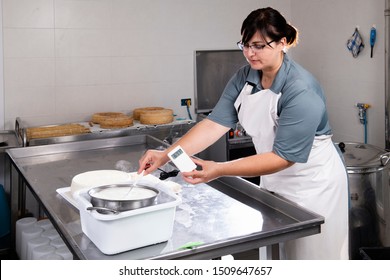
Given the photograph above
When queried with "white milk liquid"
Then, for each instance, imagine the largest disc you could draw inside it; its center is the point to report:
(123, 193)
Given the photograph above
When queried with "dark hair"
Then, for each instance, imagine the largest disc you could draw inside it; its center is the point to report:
(270, 23)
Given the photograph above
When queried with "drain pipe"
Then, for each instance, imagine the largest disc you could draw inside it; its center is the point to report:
(363, 117)
(387, 73)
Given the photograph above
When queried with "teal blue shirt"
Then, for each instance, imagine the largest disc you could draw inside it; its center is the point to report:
(301, 108)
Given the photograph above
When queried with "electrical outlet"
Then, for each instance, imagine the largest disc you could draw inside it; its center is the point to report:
(186, 101)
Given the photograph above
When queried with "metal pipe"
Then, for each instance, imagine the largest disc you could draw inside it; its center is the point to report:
(387, 73)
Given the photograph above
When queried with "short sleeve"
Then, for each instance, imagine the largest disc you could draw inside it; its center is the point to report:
(301, 116)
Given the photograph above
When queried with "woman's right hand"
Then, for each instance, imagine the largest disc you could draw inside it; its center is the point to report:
(152, 160)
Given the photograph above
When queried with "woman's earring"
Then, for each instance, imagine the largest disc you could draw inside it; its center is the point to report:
(284, 49)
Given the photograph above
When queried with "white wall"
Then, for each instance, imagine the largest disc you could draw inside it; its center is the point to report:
(2, 114)
(324, 29)
(67, 59)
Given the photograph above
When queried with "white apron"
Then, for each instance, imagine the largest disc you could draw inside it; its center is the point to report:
(320, 185)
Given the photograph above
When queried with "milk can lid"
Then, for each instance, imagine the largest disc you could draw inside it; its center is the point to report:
(361, 156)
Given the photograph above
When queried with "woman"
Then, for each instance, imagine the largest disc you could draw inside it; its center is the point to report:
(282, 107)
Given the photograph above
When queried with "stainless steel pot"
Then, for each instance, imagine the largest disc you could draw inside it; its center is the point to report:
(116, 198)
(368, 174)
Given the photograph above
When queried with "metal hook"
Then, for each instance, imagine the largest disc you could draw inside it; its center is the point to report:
(385, 158)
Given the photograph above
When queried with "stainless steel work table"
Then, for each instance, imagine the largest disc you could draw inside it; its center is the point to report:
(228, 215)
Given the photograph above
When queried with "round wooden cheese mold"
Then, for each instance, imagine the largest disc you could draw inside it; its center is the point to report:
(138, 111)
(156, 117)
(56, 131)
(98, 117)
(117, 122)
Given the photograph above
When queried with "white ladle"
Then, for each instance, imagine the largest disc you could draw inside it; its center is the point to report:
(139, 177)
(126, 166)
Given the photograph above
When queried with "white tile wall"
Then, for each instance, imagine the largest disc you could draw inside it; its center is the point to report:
(28, 13)
(324, 32)
(23, 43)
(66, 59)
(73, 14)
(79, 71)
(2, 99)
(29, 72)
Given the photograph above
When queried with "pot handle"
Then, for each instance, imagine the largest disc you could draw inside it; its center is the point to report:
(385, 158)
(104, 210)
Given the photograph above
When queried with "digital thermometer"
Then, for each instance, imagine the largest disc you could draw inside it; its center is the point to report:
(181, 159)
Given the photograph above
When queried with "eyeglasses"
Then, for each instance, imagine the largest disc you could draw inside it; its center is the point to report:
(254, 47)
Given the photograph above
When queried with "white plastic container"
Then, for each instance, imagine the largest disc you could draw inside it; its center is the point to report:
(64, 253)
(131, 229)
(41, 251)
(28, 234)
(34, 243)
(21, 224)
(45, 224)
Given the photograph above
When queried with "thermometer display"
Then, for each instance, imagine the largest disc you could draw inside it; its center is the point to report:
(177, 153)
(181, 159)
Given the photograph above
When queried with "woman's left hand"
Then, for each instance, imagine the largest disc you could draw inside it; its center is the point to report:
(208, 171)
